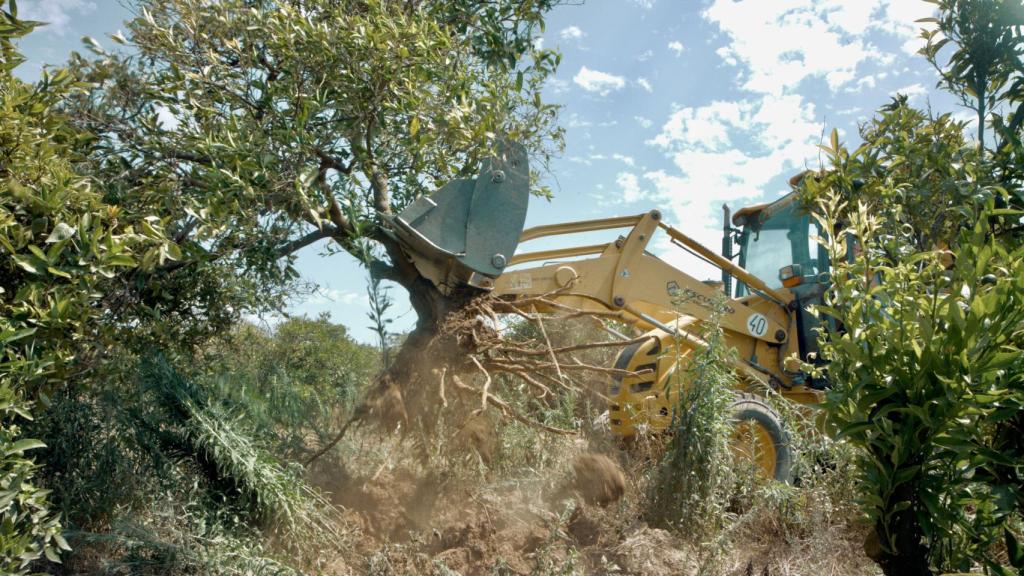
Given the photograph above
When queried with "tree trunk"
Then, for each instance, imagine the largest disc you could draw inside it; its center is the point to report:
(910, 557)
(407, 391)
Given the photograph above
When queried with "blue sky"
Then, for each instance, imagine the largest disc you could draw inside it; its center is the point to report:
(679, 105)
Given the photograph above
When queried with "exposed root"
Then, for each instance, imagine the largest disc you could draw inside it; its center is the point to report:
(482, 350)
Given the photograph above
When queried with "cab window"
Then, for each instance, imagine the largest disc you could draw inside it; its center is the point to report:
(785, 237)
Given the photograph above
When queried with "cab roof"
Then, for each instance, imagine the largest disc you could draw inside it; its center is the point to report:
(747, 213)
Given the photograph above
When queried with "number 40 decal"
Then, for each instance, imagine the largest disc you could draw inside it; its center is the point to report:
(757, 325)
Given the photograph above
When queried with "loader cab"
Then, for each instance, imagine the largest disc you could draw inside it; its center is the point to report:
(777, 242)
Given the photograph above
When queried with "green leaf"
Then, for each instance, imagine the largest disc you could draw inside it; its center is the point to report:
(61, 232)
(26, 265)
(121, 260)
(24, 445)
(92, 45)
(38, 253)
(61, 542)
(8, 337)
(1013, 549)
(173, 251)
(51, 554)
(58, 272)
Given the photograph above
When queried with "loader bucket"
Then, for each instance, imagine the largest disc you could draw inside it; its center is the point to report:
(466, 233)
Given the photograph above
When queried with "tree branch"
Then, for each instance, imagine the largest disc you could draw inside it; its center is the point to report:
(331, 161)
(378, 180)
(303, 241)
(384, 271)
(187, 156)
(333, 207)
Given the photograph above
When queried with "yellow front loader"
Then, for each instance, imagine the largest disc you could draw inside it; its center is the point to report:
(470, 234)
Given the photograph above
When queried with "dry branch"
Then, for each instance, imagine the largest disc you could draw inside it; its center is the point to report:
(507, 410)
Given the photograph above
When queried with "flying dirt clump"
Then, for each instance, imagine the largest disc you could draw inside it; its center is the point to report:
(478, 434)
(598, 479)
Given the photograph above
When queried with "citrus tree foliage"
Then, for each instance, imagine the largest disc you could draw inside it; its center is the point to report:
(905, 145)
(976, 47)
(261, 127)
(59, 245)
(926, 364)
(925, 330)
(982, 64)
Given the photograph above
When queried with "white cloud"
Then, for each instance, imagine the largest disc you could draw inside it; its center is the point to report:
(630, 186)
(644, 4)
(704, 127)
(739, 151)
(780, 131)
(165, 118)
(643, 83)
(571, 33)
(676, 47)
(900, 19)
(558, 85)
(57, 13)
(863, 82)
(730, 151)
(643, 121)
(783, 42)
(332, 295)
(645, 56)
(599, 82)
(912, 91)
(627, 160)
(574, 120)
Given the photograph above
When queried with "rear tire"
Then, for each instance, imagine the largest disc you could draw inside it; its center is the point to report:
(753, 417)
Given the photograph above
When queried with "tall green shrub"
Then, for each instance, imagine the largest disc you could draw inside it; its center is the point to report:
(925, 362)
(59, 245)
(295, 383)
(691, 479)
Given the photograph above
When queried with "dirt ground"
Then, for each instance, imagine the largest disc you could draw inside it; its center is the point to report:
(579, 517)
(476, 494)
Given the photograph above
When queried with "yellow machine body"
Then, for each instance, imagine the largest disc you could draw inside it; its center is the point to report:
(463, 236)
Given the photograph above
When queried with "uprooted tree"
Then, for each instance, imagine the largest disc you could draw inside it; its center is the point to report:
(263, 127)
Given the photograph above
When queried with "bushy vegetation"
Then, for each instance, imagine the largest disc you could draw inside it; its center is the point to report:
(296, 384)
(695, 474)
(204, 442)
(925, 316)
(926, 406)
(61, 244)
